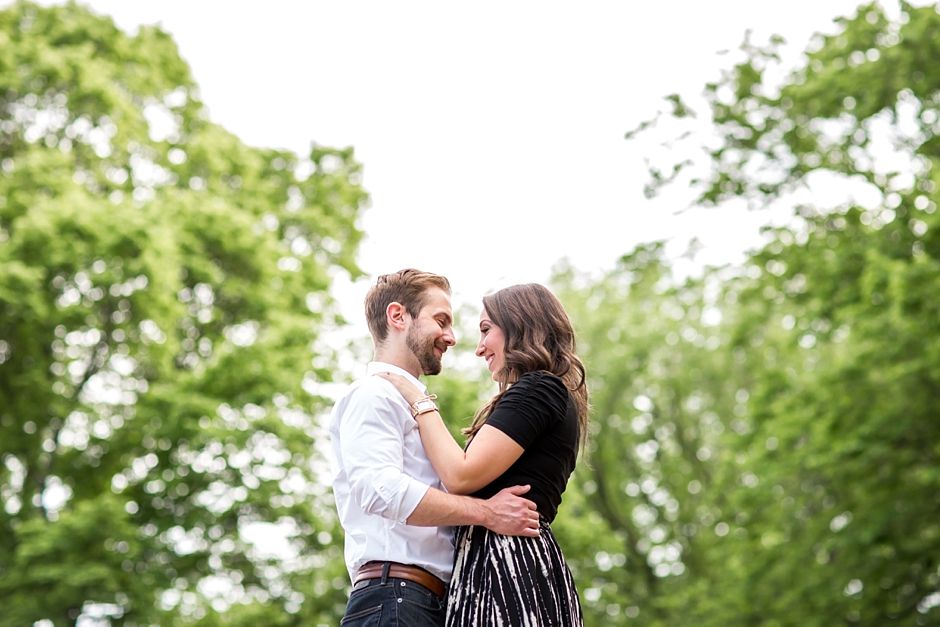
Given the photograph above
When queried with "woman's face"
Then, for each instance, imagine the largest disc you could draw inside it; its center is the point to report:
(492, 345)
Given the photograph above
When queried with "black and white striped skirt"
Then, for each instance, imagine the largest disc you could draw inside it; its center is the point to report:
(508, 580)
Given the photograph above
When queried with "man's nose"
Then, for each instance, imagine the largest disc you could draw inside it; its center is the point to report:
(449, 338)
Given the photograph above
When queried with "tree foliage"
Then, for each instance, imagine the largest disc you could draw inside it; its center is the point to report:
(766, 437)
(163, 288)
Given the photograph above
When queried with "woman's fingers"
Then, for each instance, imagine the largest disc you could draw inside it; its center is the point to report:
(405, 387)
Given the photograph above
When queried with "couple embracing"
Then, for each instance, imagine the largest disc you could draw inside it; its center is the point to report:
(402, 483)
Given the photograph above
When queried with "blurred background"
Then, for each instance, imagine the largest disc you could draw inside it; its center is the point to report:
(735, 202)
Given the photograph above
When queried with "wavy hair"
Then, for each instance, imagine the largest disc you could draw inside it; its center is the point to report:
(539, 336)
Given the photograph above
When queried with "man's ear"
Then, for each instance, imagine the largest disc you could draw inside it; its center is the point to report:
(395, 316)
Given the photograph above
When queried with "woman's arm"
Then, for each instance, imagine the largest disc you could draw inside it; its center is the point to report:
(461, 472)
(464, 472)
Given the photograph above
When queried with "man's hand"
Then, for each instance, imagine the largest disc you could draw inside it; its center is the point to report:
(509, 514)
(506, 513)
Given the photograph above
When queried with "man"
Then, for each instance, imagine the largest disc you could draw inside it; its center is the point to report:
(397, 518)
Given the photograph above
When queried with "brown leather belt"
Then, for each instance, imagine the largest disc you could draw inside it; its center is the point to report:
(373, 570)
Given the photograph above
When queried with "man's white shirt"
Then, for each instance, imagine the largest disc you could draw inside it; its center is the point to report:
(380, 474)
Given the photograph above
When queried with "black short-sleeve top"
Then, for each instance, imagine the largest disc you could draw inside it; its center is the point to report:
(539, 413)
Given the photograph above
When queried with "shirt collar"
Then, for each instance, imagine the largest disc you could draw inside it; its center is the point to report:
(380, 366)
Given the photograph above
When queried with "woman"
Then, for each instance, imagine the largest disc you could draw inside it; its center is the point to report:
(528, 434)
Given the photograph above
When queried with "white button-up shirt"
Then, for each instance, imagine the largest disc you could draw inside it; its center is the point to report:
(380, 474)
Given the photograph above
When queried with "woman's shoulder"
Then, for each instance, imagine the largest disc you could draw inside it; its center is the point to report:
(536, 378)
(541, 383)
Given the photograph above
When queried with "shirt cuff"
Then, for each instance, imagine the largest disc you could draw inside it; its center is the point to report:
(413, 493)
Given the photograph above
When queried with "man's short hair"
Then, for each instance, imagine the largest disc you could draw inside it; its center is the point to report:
(409, 287)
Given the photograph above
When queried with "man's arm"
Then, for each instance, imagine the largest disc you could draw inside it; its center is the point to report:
(371, 443)
(506, 513)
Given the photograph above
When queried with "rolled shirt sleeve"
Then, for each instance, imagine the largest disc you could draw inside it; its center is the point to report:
(371, 442)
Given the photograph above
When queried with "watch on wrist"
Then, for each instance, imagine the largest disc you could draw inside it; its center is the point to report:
(423, 405)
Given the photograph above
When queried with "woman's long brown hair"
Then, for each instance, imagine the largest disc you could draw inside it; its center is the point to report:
(539, 336)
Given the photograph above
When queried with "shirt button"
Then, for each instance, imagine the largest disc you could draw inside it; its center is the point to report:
(399, 600)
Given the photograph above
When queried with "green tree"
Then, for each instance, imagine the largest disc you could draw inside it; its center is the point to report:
(163, 288)
(667, 396)
(776, 425)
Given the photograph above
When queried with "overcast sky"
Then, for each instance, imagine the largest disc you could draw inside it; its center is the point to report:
(492, 133)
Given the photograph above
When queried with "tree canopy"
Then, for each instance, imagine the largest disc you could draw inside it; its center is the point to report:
(766, 437)
(164, 288)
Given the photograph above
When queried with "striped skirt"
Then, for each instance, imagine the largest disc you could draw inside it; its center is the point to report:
(507, 580)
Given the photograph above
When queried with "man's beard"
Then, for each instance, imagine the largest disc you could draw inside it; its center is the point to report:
(423, 349)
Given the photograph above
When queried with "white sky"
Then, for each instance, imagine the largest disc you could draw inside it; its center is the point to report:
(491, 132)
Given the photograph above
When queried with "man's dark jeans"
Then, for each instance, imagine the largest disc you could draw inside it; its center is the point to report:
(392, 602)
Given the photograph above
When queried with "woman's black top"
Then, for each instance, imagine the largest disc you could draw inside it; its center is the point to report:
(539, 413)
